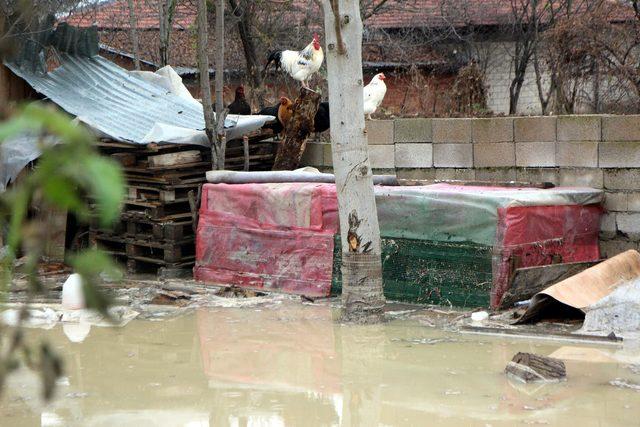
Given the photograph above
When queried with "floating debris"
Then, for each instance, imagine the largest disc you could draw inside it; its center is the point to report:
(529, 367)
(238, 292)
(622, 383)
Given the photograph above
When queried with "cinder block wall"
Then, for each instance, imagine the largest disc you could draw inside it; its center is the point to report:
(591, 150)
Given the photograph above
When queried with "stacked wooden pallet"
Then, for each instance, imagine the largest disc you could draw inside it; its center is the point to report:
(156, 232)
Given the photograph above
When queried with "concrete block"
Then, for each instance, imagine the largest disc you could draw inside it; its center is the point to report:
(629, 225)
(617, 201)
(496, 174)
(416, 173)
(537, 154)
(379, 132)
(622, 179)
(327, 154)
(450, 174)
(313, 155)
(381, 156)
(577, 154)
(501, 154)
(582, 177)
(551, 175)
(498, 129)
(383, 171)
(608, 228)
(579, 128)
(621, 128)
(534, 129)
(414, 155)
(451, 130)
(610, 248)
(619, 155)
(633, 201)
(412, 130)
(453, 155)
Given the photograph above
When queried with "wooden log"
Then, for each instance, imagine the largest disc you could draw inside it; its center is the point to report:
(529, 367)
(297, 130)
(179, 158)
(529, 281)
(245, 146)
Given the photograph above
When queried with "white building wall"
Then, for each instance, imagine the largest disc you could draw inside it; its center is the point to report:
(497, 57)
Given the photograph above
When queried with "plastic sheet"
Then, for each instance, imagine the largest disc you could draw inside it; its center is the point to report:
(16, 153)
(280, 235)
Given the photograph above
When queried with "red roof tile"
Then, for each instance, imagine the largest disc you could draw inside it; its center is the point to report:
(115, 15)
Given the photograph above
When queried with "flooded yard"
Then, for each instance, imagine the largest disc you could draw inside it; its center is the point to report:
(281, 362)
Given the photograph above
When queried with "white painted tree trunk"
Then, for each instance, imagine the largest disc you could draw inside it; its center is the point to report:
(362, 296)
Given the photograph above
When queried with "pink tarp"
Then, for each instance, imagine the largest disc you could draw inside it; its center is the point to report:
(268, 236)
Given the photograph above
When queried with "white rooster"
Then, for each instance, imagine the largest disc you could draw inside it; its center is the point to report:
(373, 94)
(299, 64)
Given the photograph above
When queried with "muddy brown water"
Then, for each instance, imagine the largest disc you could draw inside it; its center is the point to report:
(284, 363)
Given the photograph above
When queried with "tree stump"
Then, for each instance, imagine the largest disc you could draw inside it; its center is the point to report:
(528, 367)
(297, 131)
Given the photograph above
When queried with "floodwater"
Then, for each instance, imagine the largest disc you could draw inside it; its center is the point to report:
(285, 363)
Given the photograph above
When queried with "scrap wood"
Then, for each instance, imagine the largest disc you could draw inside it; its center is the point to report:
(171, 298)
(529, 367)
(528, 281)
(515, 332)
(585, 288)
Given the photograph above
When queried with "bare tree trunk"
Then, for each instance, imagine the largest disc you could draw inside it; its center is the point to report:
(251, 58)
(205, 86)
(166, 21)
(133, 34)
(297, 131)
(362, 297)
(221, 139)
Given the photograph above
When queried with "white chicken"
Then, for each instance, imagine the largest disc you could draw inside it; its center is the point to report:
(373, 94)
(300, 65)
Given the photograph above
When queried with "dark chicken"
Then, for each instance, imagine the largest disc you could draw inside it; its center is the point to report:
(321, 121)
(282, 112)
(240, 104)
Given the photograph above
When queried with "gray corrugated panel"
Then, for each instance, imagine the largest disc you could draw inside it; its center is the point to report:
(118, 104)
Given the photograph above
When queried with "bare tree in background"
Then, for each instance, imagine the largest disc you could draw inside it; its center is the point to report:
(525, 26)
(362, 297)
(221, 113)
(244, 14)
(19, 17)
(133, 33)
(167, 10)
(205, 85)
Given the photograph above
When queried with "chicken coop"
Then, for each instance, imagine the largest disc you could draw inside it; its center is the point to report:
(441, 244)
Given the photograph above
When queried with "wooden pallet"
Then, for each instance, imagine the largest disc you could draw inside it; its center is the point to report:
(160, 231)
(165, 270)
(148, 250)
(157, 211)
(162, 193)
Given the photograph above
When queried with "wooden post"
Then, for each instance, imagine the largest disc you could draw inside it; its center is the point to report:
(245, 147)
(297, 131)
(362, 297)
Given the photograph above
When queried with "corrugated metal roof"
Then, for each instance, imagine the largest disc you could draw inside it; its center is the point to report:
(119, 104)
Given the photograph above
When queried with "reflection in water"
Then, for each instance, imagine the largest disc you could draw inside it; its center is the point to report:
(291, 364)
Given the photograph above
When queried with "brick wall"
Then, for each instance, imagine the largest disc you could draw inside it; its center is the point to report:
(590, 150)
